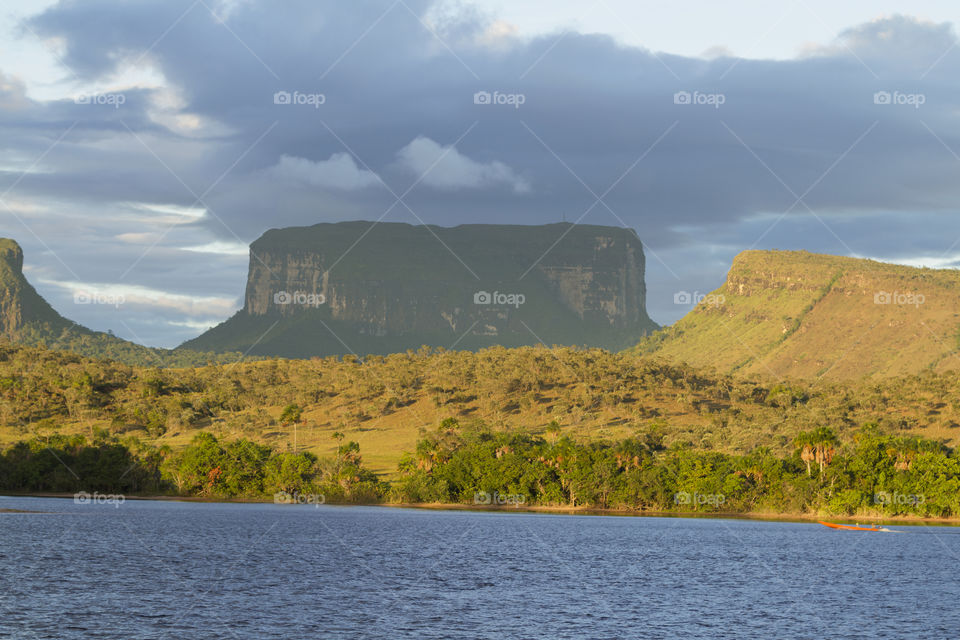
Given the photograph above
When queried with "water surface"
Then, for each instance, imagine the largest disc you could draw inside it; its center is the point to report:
(150, 569)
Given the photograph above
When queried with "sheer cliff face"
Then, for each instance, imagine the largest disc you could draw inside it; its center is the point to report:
(20, 304)
(398, 286)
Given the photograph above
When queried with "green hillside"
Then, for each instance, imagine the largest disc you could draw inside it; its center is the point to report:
(385, 403)
(793, 314)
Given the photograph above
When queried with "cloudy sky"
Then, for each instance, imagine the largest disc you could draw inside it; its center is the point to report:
(145, 144)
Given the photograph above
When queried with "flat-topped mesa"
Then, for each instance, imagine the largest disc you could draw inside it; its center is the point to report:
(380, 288)
(757, 271)
(799, 314)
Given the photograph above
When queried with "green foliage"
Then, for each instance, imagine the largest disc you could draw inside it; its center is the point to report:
(291, 414)
(584, 392)
(206, 468)
(875, 475)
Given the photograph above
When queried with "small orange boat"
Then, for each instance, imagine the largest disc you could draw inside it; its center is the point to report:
(851, 527)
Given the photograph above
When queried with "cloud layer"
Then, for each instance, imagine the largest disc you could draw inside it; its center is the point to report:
(704, 157)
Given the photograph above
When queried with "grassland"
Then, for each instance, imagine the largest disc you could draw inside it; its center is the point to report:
(385, 403)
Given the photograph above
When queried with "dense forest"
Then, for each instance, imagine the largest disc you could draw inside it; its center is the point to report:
(873, 475)
(206, 468)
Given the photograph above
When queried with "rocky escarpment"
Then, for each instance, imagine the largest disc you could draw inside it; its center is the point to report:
(27, 319)
(798, 314)
(379, 288)
(20, 304)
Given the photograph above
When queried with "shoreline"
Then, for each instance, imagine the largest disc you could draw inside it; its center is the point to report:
(550, 510)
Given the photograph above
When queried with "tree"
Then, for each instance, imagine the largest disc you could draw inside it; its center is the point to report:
(291, 414)
(817, 446)
(553, 431)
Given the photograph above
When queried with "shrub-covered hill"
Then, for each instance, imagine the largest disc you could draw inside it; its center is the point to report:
(385, 402)
(795, 314)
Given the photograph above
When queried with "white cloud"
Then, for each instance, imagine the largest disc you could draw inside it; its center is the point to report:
(135, 295)
(137, 238)
(340, 171)
(170, 213)
(221, 247)
(447, 169)
(198, 325)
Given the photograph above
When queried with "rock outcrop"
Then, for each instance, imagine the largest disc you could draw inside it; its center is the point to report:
(20, 304)
(380, 288)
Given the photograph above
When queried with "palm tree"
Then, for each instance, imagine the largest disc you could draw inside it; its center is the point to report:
(804, 444)
(291, 414)
(825, 442)
(553, 431)
(817, 446)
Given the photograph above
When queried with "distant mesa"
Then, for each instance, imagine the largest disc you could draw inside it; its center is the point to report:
(794, 314)
(361, 287)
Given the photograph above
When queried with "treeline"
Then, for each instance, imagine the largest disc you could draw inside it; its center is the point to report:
(75, 339)
(206, 468)
(875, 474)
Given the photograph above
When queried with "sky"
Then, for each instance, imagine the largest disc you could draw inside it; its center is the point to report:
(145, 144)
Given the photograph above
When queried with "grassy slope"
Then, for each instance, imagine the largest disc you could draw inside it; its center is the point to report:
(790, 314)
(384, 403)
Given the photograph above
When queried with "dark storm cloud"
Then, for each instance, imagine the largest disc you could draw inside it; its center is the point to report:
(597, 105)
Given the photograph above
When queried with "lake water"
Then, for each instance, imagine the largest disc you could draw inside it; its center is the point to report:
(148, 569)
